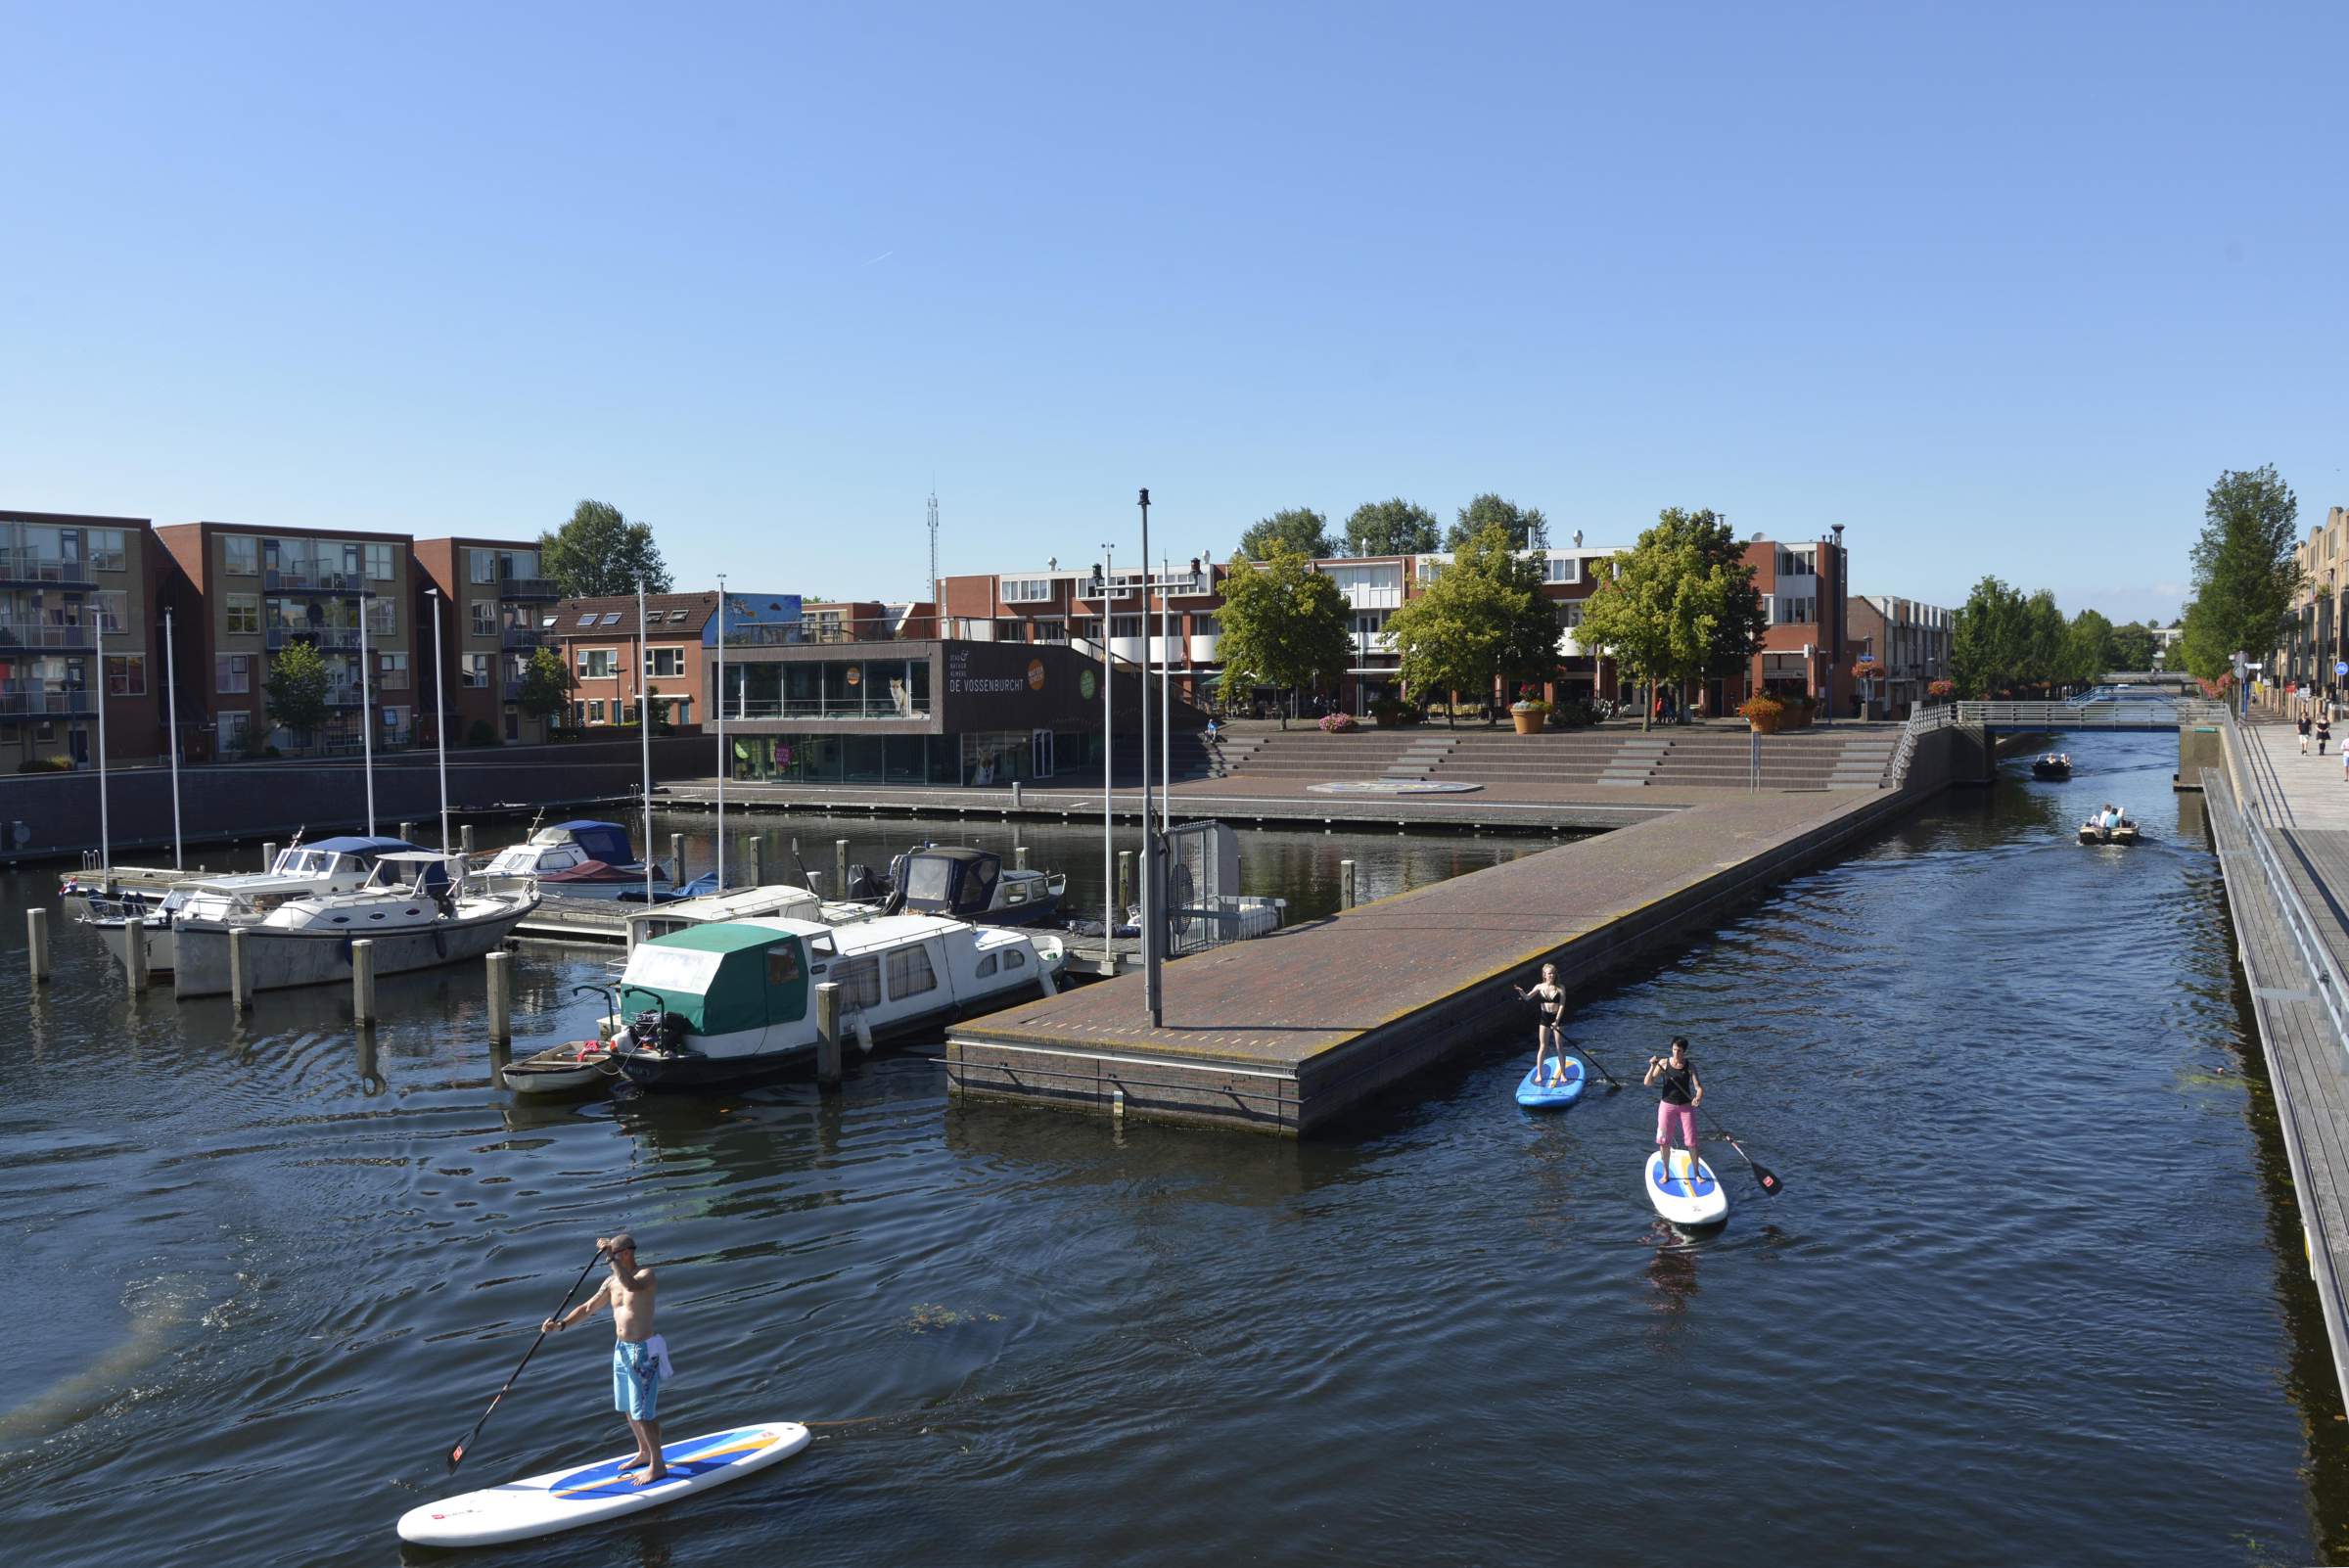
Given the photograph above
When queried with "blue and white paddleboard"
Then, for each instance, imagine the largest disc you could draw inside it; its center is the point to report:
(564, 1499)
(1534, 1096)
(1681, 1198)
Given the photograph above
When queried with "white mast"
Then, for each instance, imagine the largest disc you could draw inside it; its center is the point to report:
(171, 700)
(106, 835)
(366, 715)
(1166, 697)
(1109, 719)
(644, 725)
(439, 709)
(725, 759)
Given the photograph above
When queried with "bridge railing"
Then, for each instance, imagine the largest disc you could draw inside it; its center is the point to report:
(1924, 720)
(2259, 815)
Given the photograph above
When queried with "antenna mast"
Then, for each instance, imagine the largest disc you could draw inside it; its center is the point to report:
(934, 547)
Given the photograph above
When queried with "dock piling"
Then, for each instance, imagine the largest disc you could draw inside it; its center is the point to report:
(827, 1033)
(268, 856)
(840, 867)
(1019, 858)
(501, 998)
(362, 980)
(134, 953)
(465, 837)
(1124, 882)
(676, 858)
(408, 832)
(1345, 884)
(37, 936)
(239, 978)
(756, 860)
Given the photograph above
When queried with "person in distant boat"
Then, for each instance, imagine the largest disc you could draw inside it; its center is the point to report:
(1680, 1092)
(639, 1357)
(2304, 726)
(1549, 1033)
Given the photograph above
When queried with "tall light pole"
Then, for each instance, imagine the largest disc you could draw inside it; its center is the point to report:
(644, 730)
(725, 758)
(106, 835)
(432, 598)
(171, 700)
(1109, 720)
(1150, 878)
(366, 717)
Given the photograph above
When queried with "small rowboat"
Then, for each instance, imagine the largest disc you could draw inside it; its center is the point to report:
(2051, 766)
(2125, 834)
(562, 1070)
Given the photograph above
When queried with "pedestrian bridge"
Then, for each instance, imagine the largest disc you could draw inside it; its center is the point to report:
(2181, 717)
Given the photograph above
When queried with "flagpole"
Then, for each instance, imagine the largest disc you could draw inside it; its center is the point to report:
(366, 715)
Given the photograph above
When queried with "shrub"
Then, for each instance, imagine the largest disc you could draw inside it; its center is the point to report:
(482, 733)
(46, 764)
(1574, 712)
(1529, 705)
(1339, 724)
(1390, 710)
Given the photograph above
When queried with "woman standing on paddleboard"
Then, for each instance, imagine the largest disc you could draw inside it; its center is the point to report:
(1680, 1092)
(1549, 1033)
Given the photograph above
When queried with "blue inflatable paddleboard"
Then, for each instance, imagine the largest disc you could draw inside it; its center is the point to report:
(1534, 1096)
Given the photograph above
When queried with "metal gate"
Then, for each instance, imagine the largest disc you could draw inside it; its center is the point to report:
(1203, 887)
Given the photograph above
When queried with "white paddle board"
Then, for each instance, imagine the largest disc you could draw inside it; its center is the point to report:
(564, 1499)
(1681, 1198)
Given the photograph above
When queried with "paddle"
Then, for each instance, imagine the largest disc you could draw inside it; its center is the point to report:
(1613, 1088)
(1764, 1177)
(457, 1453)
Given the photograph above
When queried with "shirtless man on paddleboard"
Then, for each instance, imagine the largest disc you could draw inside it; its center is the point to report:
(639, 1357)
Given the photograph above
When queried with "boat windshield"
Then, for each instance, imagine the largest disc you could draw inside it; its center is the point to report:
(305, 863)
(672, 969)
(929, 877)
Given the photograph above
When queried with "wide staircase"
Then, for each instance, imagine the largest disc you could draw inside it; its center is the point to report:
(1716, 757)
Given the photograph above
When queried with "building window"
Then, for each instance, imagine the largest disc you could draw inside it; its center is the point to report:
(1124, 625)
(383, 614)
(597, 663)
(477, 670)
(244, 613)
(1563, 569)
(240, 555)
(232, 672)
(235, 730)
(485, 617)
(596, 711)
(1053, 629)
(482, 564)
(107, 553)
(1205, 626)
(1569, 614)
(909, 972)
(665, 662)
(126, 674)
(611, 618)
(394, 668)
(113, 609)
(379, 562)
(1027, 590)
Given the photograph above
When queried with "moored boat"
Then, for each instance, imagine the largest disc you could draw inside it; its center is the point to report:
(2052, 765)
(567, 1069)
(579, 860)
(330, 866)
(968, 884)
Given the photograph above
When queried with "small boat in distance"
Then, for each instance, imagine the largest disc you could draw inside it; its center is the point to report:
(580, 859)
(2093, 831)
(961, 883)
(2052, 765)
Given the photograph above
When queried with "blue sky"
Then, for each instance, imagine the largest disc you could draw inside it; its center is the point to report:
(2000, 288)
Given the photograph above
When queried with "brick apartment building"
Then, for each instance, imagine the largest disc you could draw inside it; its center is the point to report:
(1911, 640)
(676, 649)
(61, 577)
(1807, 648)
(495, 599)
(2318, 638)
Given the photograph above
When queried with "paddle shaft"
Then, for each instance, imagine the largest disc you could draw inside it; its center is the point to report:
(1764, 1177)
(457, 1453)
(1594, 1061)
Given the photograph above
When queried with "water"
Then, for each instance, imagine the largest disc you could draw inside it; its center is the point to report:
(2030, 1293)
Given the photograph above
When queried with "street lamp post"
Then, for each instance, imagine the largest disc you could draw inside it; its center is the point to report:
(432, 598)
(723, 760)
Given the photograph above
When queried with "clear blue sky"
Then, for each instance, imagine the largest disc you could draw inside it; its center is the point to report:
(2002, 289)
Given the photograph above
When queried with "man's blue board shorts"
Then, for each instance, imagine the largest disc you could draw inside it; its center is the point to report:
(636, 1380)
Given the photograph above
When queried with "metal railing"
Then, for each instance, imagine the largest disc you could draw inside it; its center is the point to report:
(31, 566)
(823, 708)
(521, 638)
(46, 637)
(47, 703)
(317, 636)
(528, 588)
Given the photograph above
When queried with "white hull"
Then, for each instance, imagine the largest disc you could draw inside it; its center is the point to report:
(276, 958)
(161, 946)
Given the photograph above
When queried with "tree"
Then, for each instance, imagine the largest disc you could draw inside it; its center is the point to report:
(1300, 528)
(1677, 604)
(1483, 621)
(546, 685)
(1283, 624)
(2043, 632)
(2132, 646)
(1393, 527)
(295, 688)
(1527, 528)
(2245, 574)
(2091, 648)
(1990, 639)
(600, 552)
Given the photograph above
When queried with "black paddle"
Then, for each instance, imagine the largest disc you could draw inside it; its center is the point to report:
(1613, 1088)
(457, 1453)
(1764, 1177)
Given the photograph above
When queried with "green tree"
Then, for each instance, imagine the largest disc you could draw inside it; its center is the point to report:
(1527, 528)
(2132, 646)
(1988, 638)
(295, 689)
(2091, 648)
(601, 552)
(1678, 603)
(1300, 528)
(2245, 574)
(1393, 527)
(546, 685)
(1283, 624)
(2044, 631)
(1483, 621)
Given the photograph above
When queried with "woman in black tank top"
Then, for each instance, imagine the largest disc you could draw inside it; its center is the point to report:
(1680, 1093)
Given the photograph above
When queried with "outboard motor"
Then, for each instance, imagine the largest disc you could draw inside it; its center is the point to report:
(655, 1028)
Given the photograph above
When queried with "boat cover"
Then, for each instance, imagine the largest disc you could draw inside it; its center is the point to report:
(721, 978)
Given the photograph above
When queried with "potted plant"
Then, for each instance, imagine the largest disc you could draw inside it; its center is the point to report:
(1529, 715)
(1340, 723)
(1391, 712)
(1941, 691)
(1765, 712)
(1800, 710)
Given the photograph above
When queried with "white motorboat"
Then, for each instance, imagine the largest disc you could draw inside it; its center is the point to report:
(330, 866)
(419, 909)
(717, 1003)
(580, 859)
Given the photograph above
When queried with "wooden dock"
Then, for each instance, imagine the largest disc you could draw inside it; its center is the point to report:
(1285, 1031)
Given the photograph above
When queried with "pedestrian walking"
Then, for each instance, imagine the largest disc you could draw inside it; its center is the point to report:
(2324, 734)
(2305, 727)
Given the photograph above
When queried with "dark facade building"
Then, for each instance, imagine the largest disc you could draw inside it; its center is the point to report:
(490, 601)
(68, 583)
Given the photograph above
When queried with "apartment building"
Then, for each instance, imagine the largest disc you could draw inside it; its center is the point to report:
(1911, 640)
(491, 600)
(244, 594)
(68, 583)
(674, 649)
(1807, 648)
(2318, 639)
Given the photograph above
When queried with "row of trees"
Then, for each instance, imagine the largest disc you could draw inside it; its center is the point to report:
(1393, 526)
(2004, 641)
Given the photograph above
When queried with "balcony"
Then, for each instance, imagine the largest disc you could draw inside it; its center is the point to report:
(317, 636)
(510, 691)
(774, 708)
(516, 589)
(47, 703)
(522, 637)
(30, 568)
(309, 580)
(41, 637)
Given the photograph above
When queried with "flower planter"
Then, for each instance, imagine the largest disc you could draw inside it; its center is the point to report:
(1768, 726)
(1528, 723)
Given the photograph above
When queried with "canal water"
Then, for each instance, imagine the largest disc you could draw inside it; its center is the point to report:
(2033, 1290)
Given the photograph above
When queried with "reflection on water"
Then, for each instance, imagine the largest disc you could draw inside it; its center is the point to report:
(2034, 1274)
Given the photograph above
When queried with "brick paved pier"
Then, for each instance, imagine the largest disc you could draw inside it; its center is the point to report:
(1283, 1033)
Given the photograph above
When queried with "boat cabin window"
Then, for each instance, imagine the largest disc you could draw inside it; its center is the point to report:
(1015, 892)
(822, 947)
(859, 982)
(982, 884)
(927, 878)
(305, 863)
(910, 974)
(782, 963)
(987, 966)
(1014, 958)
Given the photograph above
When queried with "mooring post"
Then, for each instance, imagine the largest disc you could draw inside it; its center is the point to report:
(408, 832)
(134, 952)
(36, 939)
(239, 985)
(268, 856)
(501, 1010)
(1015, 794)
(465, 837)
(362, 980)
(756, 860)
(1124, 880)
(1019, 858)
(1345, 884)
(840, 866)
(827, 1033)
(676, 859)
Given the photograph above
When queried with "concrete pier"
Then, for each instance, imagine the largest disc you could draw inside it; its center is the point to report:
(1284, 1033)
(501, 997)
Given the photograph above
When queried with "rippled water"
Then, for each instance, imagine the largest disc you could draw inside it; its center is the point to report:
(2029, 1293)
